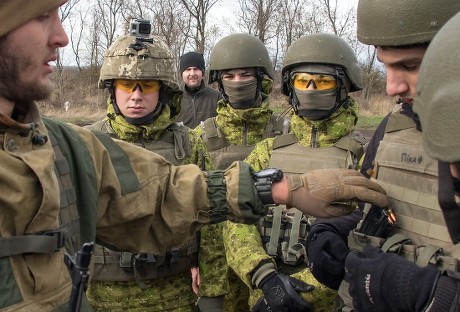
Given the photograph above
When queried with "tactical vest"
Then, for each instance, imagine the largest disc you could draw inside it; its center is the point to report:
(223, 153)
(284, 230)
(410, 178)
(173, 144)
(109, 265)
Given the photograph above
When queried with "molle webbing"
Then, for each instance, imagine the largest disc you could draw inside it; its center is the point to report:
(284, 234)
(284, 231)
(124, 266)
(173, 144)
(409, 177)
(295, 158)
(223, 153)
(215, 139)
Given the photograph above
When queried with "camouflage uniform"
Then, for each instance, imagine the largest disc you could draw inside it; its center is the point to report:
(241, 128)
(214, 274)
(113, 287)
(322, 119)
(243, 244)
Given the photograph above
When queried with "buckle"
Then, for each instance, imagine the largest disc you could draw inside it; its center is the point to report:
(60, 238)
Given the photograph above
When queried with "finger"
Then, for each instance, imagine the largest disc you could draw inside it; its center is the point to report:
(360, 180)
(370, 196)
(259, 304)
(337, 210)
(300, 286)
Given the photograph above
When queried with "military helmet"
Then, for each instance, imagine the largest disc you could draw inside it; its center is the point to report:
(135, 58)
(438, 93)
(324, 49)
(239, 51)
(401, 23)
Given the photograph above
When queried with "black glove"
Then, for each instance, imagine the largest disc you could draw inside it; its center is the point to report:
(281, 294)
(388, 282)
(327, 253)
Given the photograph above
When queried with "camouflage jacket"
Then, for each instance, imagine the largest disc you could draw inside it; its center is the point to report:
(243, 244)
(189, 150)
(127, 197)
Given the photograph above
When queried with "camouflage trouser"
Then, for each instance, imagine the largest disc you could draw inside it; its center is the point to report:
(322, 298)
(216, 278)
(164, 294)
(238, 297)
(212, 262)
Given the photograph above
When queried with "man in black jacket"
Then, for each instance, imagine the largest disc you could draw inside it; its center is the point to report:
(199, 102)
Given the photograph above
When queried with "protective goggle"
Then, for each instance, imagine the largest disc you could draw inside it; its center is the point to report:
(145, 86)
(302, 81)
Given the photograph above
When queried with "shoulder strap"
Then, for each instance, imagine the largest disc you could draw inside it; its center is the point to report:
(181, 140)
(349, 143)
(284, 140)
(398, 121)
(213, 138)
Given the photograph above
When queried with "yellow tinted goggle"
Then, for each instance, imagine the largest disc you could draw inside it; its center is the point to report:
(146, 86)
(302, 81)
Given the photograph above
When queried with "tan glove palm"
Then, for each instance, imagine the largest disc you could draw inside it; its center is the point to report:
(326, 193)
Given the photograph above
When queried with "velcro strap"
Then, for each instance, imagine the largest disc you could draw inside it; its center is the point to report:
(272, 247)
(394, 240)
(426, 254)
(45, 243)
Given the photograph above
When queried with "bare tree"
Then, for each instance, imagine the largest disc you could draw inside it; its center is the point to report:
(258, 17)
(199, 10)
(109, 13)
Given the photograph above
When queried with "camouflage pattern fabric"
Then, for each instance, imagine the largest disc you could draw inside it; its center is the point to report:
(232, 121)
(173, 293)
(339, 124)
(243, 245)
(214, 276)
(151, 132)
(164, 294)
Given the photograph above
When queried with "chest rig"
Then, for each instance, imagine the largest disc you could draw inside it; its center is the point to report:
(110, 265)
(223, 153)
(284, 230)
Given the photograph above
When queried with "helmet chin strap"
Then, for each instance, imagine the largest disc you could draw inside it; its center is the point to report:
(446, 197)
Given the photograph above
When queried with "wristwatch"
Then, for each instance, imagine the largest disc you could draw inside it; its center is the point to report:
(263, 183)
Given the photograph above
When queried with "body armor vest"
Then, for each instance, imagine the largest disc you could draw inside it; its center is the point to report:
(174, 145)
(410, 179)
(284, 230)
(223, 153)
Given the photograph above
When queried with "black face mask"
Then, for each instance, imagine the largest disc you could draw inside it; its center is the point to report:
(448, 187)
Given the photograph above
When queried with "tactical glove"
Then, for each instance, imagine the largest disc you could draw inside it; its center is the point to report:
(326, 193)
(327, 253)
(281, 294)
(387, 282)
